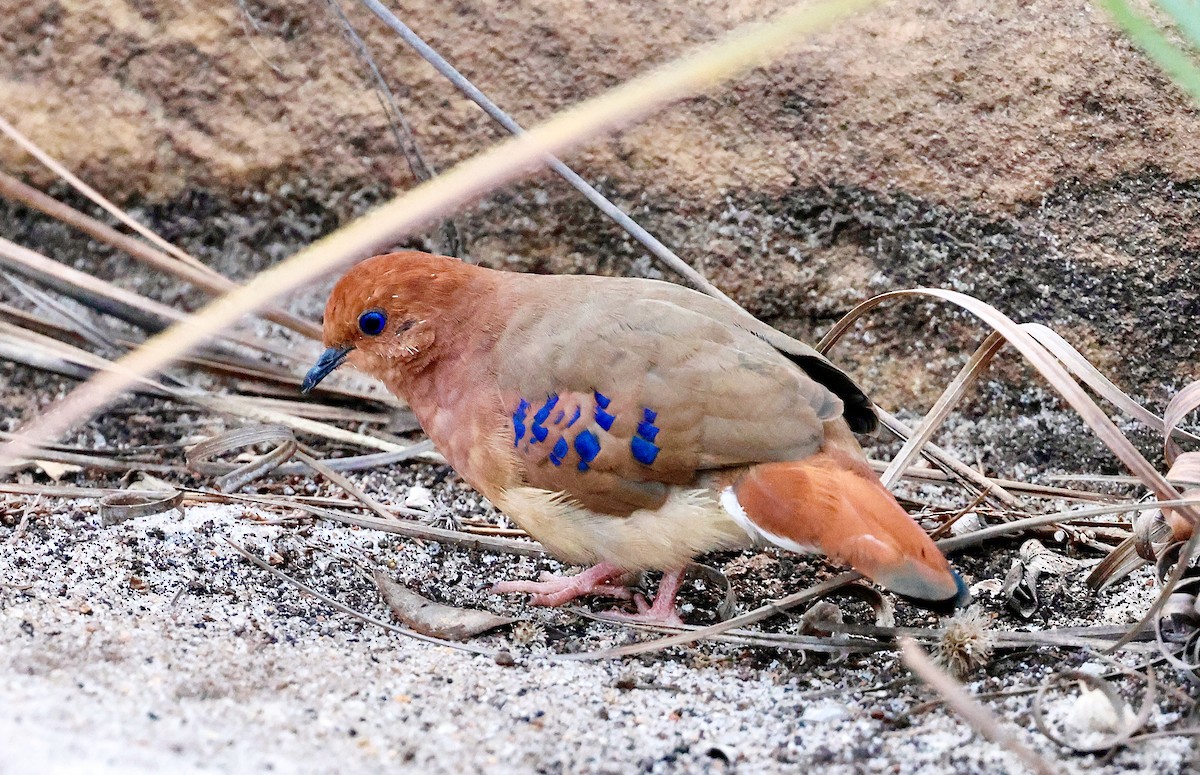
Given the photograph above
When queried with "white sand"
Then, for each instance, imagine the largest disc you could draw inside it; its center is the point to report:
(138, 651)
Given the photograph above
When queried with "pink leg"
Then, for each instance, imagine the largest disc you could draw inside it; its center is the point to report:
(663, 611)
(554, 590)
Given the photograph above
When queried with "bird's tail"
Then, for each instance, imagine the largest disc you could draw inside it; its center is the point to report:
(833, 504)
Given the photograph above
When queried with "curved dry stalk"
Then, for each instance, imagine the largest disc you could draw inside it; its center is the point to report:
(744, 48)
(1184, 403)
(1118, 738)
(1074, 362)
(283, 443)
(1093, 378)
(1049, 367)
(1160, 639)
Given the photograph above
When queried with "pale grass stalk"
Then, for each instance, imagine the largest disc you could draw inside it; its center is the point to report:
(973, 712)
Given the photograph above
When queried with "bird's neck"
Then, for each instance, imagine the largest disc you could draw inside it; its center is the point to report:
(463, 325)
(455, 335)
(452, 392)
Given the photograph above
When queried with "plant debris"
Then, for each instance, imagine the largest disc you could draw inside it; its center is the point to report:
(435, 619)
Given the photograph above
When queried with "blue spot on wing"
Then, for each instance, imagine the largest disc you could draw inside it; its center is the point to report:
(601, 399)
(575, 417)
(559, 417)
(588, 446)
(643, 451)
(559, 452)
(538, 428)
(544, 413)
(604, 419)
(642, 445)
(519, 421)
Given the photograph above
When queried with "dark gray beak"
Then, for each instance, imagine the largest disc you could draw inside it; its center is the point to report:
(329, 360)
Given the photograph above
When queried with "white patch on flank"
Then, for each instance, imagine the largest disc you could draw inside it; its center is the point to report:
(733, 508)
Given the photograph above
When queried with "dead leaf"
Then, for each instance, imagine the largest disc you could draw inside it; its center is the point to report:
(54, 470)
(435, 619)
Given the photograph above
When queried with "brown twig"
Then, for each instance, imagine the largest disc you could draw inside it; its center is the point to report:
(209, 280)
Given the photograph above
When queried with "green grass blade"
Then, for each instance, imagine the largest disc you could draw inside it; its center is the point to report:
(1186, 15)
(1172, 59)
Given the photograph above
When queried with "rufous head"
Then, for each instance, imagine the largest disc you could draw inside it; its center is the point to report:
(381, 312)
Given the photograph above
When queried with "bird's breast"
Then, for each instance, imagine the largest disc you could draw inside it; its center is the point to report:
(466, 423)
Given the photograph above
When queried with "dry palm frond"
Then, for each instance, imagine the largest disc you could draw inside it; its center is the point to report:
(201, 277)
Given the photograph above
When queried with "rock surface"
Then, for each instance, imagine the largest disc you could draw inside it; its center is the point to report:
(1021, 151)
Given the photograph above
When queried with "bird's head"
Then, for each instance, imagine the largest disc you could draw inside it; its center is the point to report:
(381, 314)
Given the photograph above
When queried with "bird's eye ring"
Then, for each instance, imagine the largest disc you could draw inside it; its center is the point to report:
(372, 322)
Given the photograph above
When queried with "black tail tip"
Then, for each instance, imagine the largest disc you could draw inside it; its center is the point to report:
(947, 606)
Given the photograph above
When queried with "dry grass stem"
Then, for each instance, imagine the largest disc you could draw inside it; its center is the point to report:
(207, 280)
(972, 711)
(472, 92)
(949, 398)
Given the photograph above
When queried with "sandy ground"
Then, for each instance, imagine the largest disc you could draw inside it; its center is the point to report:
(151, 646)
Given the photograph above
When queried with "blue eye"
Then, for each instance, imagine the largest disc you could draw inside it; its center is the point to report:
(372, 322)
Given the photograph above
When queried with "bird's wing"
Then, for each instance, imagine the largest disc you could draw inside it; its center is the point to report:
(858, 411)
(613, 398)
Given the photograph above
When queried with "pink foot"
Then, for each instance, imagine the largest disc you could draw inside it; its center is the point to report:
(553, 590)
(663, 610)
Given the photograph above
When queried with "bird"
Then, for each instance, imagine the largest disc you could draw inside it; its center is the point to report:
(628, 424)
